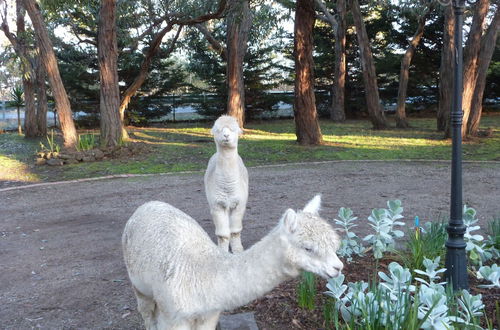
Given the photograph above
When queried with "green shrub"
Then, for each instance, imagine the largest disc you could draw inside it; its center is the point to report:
(306, 291)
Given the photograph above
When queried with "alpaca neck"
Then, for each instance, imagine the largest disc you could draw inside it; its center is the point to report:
(248, 275)
(227, 152)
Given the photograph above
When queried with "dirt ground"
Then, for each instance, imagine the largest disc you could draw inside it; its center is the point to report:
(60, 256)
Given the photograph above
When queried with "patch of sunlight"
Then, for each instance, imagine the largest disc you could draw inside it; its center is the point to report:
(387, 142)
(14, 170)
(269, 136)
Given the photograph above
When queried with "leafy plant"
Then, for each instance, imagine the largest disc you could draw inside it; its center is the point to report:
(86, 141)
(424, 242)
(493, 241)
(17, 100)
(489, 273)
(306, 291)
(350, 244)
(395, 303)
(431, 271)
(475, 245)
(383, 221)
(52, 145)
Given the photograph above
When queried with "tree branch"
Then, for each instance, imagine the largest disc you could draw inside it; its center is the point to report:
(216, 45)
(329, 18)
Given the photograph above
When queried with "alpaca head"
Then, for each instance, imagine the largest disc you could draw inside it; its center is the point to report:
(312, 241)
(226, 131)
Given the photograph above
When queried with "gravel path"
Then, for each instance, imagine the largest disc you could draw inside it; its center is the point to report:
(60, 255)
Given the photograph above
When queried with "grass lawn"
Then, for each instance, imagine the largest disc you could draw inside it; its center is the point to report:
(188, 146)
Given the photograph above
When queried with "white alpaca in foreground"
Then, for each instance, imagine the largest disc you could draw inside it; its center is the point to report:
(226, 184)
(182, 280)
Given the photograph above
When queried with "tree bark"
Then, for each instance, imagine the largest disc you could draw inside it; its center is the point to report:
(373, 105)
(306, 118)
(471, 58)
(214, 43)
(30, 128)
(488, 44)
(111, 124)
(49, 60)
(446, 73)
(401, 121)
(239, 21)
(41, 101)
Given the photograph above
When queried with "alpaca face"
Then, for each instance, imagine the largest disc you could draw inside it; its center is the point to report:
(313, 242)
(226, 132)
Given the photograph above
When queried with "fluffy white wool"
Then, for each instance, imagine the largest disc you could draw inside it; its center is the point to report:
(182, 279)
(226, 184)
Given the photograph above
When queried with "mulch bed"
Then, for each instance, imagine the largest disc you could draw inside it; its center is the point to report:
(279, 309)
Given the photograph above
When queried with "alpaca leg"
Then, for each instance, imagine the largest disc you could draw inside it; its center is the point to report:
(165, 324)
(208, 322)
(236, 219)
(221, 222)
(146, 307)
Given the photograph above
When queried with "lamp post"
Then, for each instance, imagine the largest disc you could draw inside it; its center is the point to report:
(456, 261)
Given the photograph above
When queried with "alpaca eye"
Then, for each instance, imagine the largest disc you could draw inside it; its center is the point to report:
(308, 250)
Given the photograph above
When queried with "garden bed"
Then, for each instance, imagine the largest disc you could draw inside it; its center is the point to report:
(279, 309)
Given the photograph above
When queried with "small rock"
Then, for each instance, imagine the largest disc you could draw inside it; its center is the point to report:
(79, 155)
(71, 161)
(88, 158)
(67, 156)
(55, 162)
(98, 154)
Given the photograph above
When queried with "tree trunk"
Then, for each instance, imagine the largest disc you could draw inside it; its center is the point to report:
(488, 43)
(49, 60)
(337, 112)
(111, 124)
(30, 129)
(446, 73)
(41, 93)
(306, 118)
(373, 105)
(239, 21)
(30, 125)
(471, 58)
(401, 121)
(19, 125)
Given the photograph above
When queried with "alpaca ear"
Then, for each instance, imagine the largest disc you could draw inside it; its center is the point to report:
(289, 220)
(313, 206)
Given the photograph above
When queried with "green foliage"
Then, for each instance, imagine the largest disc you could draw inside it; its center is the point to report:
(426, 242)
(16, 97)
(350, 244)
(395, 303)
(52, 145)
(494, 233)
(306, 291)
(86, 141)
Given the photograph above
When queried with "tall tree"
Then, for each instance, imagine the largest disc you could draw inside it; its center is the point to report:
(471, 58)
(171, 19)
(306, 118)
(41, 94)
(19, 42)
(111, 124)
(239, 21)
(488, 43)
(401, 121)
(373, 104)
(446, 72)
(50, 63)
(337, 110)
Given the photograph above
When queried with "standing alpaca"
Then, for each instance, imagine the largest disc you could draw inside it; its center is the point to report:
(182, 280)
(226, 184)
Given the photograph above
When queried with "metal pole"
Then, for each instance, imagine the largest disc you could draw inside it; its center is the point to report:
(456, 261)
